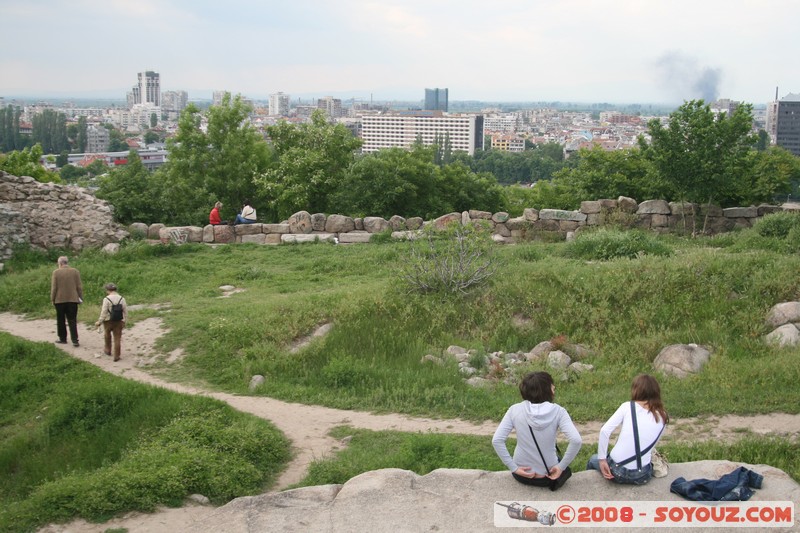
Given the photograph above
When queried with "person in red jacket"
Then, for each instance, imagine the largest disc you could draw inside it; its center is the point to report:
(213, 217)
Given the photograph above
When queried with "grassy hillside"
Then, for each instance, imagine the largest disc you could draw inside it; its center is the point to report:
(714, 292)
(77, 442)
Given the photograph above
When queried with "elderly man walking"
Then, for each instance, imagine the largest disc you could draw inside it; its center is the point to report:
(66, 292)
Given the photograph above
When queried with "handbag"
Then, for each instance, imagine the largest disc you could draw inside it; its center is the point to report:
(557, 483)
(660, 464)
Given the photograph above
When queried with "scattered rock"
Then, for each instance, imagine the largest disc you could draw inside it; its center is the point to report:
(783, 313)
(199, 498)
(477, 381)
(681, 360)
(786, 335)
(540, 351)
(255, 382)
(580, 368)
(111, 248)
(558, 360)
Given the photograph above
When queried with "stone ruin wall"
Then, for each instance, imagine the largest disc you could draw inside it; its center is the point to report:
(49, 215)
(656, 215)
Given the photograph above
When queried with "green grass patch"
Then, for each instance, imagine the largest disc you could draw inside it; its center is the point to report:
(77, 442)
(423, 453)
(605, 244)
(625, 310)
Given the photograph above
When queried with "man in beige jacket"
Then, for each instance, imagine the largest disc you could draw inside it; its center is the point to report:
(66, 292)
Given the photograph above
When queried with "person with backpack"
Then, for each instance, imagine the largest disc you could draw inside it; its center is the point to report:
(113, 316)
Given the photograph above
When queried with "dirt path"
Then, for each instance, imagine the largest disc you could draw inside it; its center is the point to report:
(307, 426)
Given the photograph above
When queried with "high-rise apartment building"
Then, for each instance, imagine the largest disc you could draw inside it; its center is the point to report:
(97, 138)
(174, 101)
(787, 123)
(402, 129)
(279, 104)
(217, 96)
(332, 106)
(436, 99)
(148, 90)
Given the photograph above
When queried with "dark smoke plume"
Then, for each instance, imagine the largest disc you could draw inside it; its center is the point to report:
(685, 79)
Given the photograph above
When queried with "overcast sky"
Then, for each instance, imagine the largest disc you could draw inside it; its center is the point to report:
(647, 51)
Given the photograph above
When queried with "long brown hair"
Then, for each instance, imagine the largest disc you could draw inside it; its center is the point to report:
(645, 388)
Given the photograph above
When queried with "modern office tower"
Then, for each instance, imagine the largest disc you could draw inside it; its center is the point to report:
(436, 100)
(279, 104)
(148, 91)
(787, 123)
(174, 101)
(402, 129)
(332, 106)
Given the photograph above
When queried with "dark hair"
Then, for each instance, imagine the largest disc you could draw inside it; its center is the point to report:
(537, 387)
(110, 287)
(645, 388)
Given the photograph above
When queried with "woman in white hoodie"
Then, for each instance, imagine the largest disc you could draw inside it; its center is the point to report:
(536, 415)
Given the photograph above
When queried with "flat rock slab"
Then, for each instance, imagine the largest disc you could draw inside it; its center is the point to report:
(394, 500)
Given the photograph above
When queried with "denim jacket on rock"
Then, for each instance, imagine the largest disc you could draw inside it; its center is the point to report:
(729, 488)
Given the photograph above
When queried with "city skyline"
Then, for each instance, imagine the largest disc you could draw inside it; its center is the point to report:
(617, 51)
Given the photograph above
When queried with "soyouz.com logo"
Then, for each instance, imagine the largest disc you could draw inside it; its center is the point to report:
(617, 514)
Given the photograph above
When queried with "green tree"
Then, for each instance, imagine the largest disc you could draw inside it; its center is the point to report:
(151, 137)
(774, 171)
(129, 190)
(389, 182)
(62, 159)
(219, 164)
(551, 150)
(153, 120)
(463, 189)
(10, 138)
(83, 135)
(27, 162)
(116, 140)
(311, 163)
(50, 130)
(702, 155)
(72, 173)
(601, 174)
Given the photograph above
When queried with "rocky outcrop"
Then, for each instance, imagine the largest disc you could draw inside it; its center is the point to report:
(49, 215)
(449, 500)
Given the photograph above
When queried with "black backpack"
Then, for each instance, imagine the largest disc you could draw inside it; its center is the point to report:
(116, 310)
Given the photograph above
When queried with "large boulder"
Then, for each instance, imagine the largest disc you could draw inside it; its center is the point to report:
(318, 222)
(681, 360)
(786, 335)
(339, 224)
(783, 313)
(375, 224)
(300, 222)
(450, 500)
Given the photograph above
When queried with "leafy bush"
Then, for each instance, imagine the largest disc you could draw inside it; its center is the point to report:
(603, 245)
(453, 260)
(778, 224)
